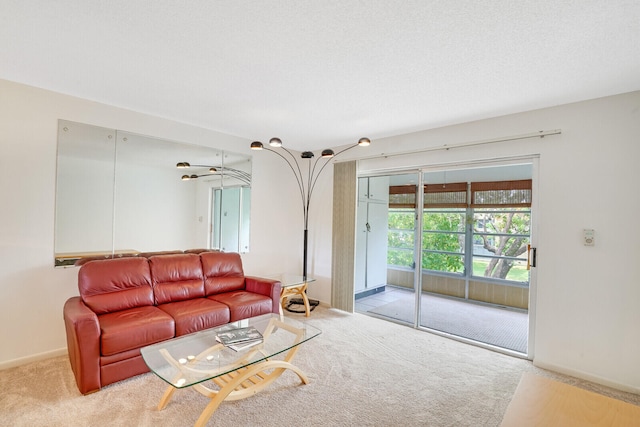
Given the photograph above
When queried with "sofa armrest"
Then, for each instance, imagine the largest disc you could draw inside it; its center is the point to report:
(83, 344)
(267, 287)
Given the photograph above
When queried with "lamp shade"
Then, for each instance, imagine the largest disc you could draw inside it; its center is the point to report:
(183, 165)
(364, 142)
(307, 155)
(256, 145)
(327, 153)
(275, 142)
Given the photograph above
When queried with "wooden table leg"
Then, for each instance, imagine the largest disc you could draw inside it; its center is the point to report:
(307, 307)
(299, 290)
(244, 383)
(166, 397)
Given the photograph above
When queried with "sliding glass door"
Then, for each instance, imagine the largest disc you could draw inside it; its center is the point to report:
(475, 237)
(455, 253)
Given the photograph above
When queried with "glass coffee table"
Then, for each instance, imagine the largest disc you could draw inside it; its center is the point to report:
(199, 361)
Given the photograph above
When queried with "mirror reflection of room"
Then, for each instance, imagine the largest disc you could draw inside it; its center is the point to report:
(119, 193)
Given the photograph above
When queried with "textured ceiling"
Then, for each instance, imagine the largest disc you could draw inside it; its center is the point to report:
(322, 73)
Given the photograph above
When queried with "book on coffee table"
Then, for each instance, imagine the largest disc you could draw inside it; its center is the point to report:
(243, 345)
(239, 336)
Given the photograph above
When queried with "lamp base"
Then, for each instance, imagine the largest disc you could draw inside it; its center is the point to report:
(313, 303)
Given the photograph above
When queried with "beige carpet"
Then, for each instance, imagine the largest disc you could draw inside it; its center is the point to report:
(363, 372)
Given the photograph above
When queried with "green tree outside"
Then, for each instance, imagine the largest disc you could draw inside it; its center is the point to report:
(443, 232)
(500, 232)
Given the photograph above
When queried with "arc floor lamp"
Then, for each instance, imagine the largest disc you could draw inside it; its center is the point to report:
(307, 180)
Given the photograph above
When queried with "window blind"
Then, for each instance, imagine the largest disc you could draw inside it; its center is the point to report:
(483, 194)
(445, 195)
(402, 196)
(501, 194)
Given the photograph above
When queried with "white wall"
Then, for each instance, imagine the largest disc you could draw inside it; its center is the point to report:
(32, 291)
(587, 316)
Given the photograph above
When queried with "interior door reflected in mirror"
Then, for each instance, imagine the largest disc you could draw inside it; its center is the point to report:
(231, 210)
(120, 193)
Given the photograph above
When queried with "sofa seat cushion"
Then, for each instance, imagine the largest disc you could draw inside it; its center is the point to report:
(134, 328)
(243, 304)
(196, 314)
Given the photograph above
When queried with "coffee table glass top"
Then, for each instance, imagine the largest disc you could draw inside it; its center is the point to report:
(194, 358)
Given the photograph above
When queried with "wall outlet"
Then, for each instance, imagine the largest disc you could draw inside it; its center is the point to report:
(589, 236)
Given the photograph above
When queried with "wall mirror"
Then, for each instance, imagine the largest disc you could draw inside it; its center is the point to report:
(119, 192)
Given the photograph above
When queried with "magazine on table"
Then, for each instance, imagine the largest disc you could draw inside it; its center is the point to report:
(243, 345)
(240, 337)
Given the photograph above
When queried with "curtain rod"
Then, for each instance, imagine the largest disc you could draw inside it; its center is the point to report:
(539, 134)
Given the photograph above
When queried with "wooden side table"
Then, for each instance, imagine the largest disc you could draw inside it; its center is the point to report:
(294, 286)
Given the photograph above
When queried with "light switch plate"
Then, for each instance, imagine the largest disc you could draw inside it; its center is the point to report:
(589, 236)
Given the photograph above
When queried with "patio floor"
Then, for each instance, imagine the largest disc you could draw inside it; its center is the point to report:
(497, 326)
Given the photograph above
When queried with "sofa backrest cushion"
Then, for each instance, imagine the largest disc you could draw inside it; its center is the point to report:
(176, 277)
(222, 272)
(115, 284)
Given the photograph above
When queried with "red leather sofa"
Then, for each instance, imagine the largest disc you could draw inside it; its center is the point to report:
(128, 303)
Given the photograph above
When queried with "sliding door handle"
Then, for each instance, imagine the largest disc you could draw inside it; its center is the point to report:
(531, 257)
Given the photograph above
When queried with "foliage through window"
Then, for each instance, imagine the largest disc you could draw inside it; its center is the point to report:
(486, 236)
(443, 237)
(401, 237)
(500, 239)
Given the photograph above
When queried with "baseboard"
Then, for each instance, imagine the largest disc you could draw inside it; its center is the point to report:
(370, 292)
(586, 376)
(33, 358)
